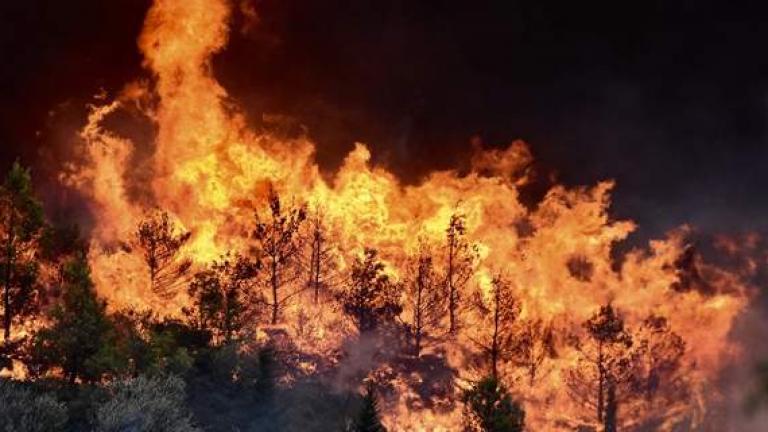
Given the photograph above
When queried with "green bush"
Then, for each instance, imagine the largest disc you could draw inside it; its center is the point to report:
(21, 410)
(142, 404)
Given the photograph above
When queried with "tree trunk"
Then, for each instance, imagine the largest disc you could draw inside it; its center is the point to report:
(7, 313)
(275, 282)
(495, 341)
(611, 408)
(600, 383)
(417, 320)
(451, 289)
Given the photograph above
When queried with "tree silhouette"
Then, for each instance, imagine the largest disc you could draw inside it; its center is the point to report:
(658, 356)
(371, 297)
(605, 361)
(500, 313)
(161, 240)
(20, 229)
(220, 306)
(459, 266)
(534, 344)
(278, 238)
(425, 298)
(321, 263)
(368, 418)
(488, 407)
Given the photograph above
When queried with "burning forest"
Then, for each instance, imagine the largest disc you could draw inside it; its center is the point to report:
(224, 281)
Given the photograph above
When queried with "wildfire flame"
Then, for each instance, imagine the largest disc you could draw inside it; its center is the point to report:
(209, 170)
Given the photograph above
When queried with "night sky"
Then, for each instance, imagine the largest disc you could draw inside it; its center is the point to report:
(670, 98)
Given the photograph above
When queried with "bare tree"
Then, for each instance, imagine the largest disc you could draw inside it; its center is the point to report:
(321, 262)
(279, 240)
(425, 298)
(604, 364)
(459, 266)
(534, 344)
(501, 311)
(161, 240)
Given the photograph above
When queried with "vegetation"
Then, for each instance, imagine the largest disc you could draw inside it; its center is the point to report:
(160, 241)
(224, 360)
(81, 338)
(368, 419)
(278, 237)
(20, 232)
(156, 404)
(490, 408)
(23, 410)
(372, 297)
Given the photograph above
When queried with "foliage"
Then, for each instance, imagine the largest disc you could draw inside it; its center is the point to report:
(279, 240)
(605, 361)
(534, 344)
(20, 229)
(425, 299)
(488, 407)
(161, 240)
(371, 297)
(321, 263)
(500, 313)
(368, 418)
(220, 304)
(658, 357)
(81, 339)
(24, 411)
(459, 266)
(145, 404)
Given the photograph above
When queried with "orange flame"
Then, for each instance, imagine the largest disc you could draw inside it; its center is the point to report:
(208, 168)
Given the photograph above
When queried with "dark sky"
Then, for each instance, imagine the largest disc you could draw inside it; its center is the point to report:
(667, 97)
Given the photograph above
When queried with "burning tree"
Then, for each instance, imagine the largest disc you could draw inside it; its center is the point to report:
(19, 233)
(322, 259)
(500, 312)
(459, 266)
(161, 240)
(278, 238)
(534, 344)
(371, 297)
(425, 298)
(220, 306)
(605, 363)
(658, 357)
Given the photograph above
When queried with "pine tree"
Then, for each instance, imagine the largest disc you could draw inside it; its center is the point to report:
(161, 240)
(534, 344)
(425, 299)
(321, 265)
(459, 266)
(20, 229)
(368, 418)
(488, 407)
(81, 337)
(278, 238)
(605, 362)
(219, 303)
(371, 298)
(658, 357)
(501, 311)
